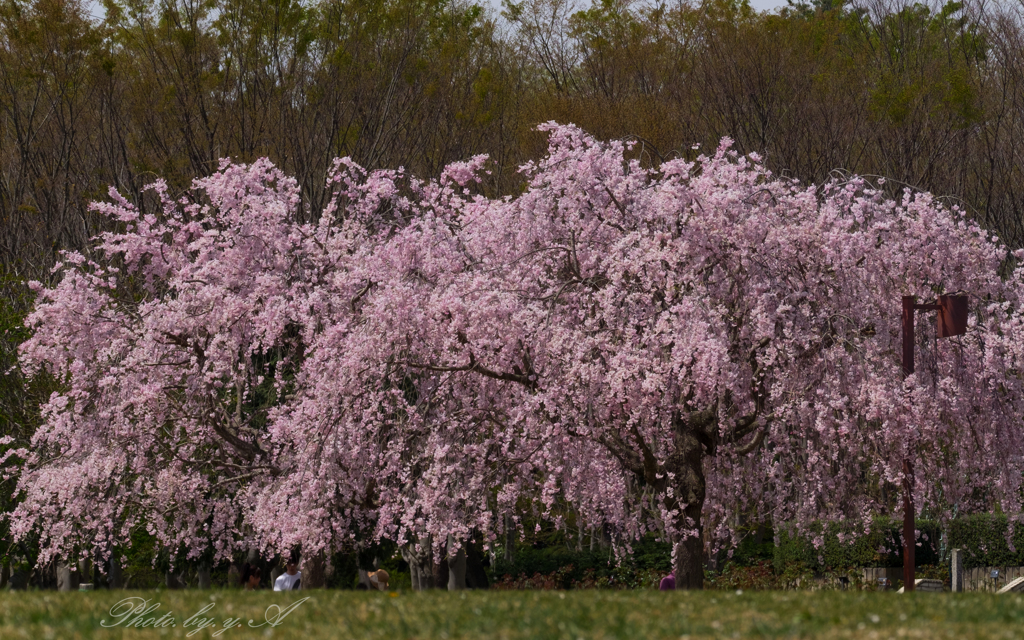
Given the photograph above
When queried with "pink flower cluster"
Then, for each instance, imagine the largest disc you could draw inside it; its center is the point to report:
(654, 350)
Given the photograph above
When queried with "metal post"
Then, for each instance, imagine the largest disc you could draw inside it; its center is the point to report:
(957, 570)
(909, 538)
(908, 335)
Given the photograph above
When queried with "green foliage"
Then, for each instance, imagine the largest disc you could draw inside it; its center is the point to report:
(139, 564)
(751, 553)
(346, 571)
(844, 547)
(565, 568)
(983, 537)
(757, 576)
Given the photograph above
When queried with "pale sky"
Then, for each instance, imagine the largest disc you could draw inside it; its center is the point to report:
(767, 5)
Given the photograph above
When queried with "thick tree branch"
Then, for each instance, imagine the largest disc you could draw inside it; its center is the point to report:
(528, 380)
(751, 446)
(183, 342)
(359, 294)
(701, 422)
(748, 423)
(622, 452)
(650, 463)
(248, 450)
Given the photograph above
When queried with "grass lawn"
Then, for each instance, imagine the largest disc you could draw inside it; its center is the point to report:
(531, 614)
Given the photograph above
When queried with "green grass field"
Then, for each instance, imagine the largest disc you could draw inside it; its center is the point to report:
(502, 614)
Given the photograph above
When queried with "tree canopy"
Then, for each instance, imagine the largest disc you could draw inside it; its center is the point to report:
(656, 347)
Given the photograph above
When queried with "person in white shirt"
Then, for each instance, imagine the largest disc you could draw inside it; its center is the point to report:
(289, 580)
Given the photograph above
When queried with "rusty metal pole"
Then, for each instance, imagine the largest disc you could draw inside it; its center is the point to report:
(908, 334)
(909, 537)
(952, 321)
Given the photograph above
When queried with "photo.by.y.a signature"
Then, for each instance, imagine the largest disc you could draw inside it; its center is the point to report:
(139, 613)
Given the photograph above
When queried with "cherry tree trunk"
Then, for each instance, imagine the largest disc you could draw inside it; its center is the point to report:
(314, 572)
(173, 580)
(476, 574)
(688, 564)
(203, 578)
(441, 574)
(687, 464)
(510, 539)
(456, 566)
(115, 573)
(68, 578)
(421, 565)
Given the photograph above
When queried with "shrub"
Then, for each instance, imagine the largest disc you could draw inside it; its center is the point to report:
(567, 569)
(983, 537)
(882, 547)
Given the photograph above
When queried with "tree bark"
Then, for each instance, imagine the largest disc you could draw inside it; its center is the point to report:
(85, 572)
(67, 579)
(420, 558)
(314, 575)
(456, 566)
(689, 554)
(276, 568)
(687, 463)
(441, 574)
(173, 580)
(203, 575)
(476, 573)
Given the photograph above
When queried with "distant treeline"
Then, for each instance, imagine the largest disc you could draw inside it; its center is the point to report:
(927, 96)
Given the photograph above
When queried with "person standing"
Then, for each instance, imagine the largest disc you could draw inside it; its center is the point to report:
(379, 579)
(250, 577)
(668, 583)
(289, 580)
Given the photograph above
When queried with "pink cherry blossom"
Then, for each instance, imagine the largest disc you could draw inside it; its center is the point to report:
(655, 349)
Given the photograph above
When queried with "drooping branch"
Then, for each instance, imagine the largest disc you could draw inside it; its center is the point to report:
(650, 462)
(359, 295)
(528, 379)
(247, 450)
(747, 424)
(622, 452)
(182, 341)
(751, 446)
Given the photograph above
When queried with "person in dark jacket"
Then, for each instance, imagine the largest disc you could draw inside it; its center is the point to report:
(668, 583)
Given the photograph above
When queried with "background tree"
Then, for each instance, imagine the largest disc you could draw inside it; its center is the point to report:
(658, 348)
(203, 350)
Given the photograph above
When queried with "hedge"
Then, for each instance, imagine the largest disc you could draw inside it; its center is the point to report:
(882, 547)
(983, 539)
(576, 566)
